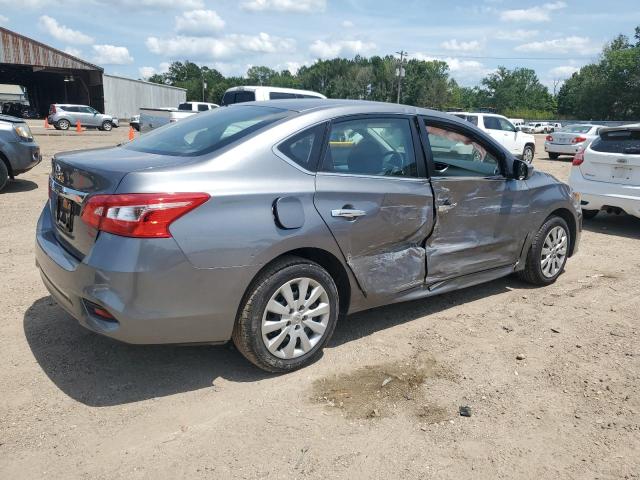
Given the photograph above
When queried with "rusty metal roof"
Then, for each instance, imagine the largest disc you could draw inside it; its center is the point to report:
(17, 49)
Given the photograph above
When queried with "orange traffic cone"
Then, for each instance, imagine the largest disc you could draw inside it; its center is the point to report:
(78, 127)
(46, 123)
(132, 134)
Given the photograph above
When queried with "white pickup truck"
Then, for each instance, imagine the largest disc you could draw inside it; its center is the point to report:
(151, 118)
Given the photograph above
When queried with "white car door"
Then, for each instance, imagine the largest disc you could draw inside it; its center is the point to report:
(502, 130)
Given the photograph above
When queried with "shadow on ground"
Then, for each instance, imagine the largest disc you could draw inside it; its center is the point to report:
(16, 186)
(611, 224)
(98, 371)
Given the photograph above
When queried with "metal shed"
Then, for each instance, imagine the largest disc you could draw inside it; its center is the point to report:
(123, 97)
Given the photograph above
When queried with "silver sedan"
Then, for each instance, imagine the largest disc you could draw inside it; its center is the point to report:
(570, 140)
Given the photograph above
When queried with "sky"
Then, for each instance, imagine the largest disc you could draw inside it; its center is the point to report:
(137, 38)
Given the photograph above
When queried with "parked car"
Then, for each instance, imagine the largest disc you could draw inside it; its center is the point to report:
(62, 116)
(259, 94)
(19, 152)
(607, 172)
(570, 140)
(506, 133)
(264, 222)
(536, 127)
(19, 110)
(151, 118)
(554, 126)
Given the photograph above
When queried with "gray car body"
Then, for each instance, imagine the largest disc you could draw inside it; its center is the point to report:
(86, 119)
(17, 154)
(189, 288)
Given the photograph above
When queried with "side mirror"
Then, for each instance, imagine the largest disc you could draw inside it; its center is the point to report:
(522, 170)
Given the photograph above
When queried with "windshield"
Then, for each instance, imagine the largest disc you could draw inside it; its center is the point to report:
(577, 129)
(204, 133)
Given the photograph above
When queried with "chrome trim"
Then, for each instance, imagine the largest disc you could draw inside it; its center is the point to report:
(66, 192)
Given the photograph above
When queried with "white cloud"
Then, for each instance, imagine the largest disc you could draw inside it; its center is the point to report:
(76, 52)
(199, 22)
(465, 71)
(62, 33)
(574, 44)
(27, 4)
(111, 55)
(322, 49)
(295, 6)
(533, 14)
(454, 45)
(3, 20)
(209, 48)
(516, 35)
(564, 71)
(177, 4)
(347, 24)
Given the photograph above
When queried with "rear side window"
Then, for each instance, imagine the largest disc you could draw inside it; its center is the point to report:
(184, 106)
(202, 134)
(623, 142)
(281, 95)
(230, 98)
(304, 148)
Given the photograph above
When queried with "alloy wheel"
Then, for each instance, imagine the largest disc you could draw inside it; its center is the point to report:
(295, 318)
(554, 252)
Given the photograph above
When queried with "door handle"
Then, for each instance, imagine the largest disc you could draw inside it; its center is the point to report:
(348, 213)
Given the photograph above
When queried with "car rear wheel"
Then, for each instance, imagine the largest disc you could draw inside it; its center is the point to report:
(548, 253)
(288, 315)
(553, 156)
(63, 124)
(527, 154)
(4, 175)
(589, 214)
(106, 126)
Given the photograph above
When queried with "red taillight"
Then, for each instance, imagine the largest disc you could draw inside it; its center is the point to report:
(549, 138)
(578, 159)
(142, 215)
(578, 140)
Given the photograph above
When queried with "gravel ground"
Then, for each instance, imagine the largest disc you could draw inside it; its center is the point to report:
(551, 377)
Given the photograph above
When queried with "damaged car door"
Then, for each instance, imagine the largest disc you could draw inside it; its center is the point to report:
(372, 192)
(480, 211)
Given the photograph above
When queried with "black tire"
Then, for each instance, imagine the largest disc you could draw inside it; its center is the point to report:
(247, 333)
(528, 153)
(589, 214)
(553, 156)
(106, 126)
(63, 124)
(4, 175)
(532, 272)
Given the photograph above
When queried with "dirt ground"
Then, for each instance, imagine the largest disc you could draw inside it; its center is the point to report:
(383, 402)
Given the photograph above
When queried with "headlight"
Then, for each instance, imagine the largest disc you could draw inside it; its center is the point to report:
(23, 131)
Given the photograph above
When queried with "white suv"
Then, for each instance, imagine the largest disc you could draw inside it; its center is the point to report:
(607, 172)
(520, 144)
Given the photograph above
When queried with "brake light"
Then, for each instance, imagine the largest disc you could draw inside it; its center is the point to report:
(578, 140)
(140, 215)
(578, 159)
(549, 138)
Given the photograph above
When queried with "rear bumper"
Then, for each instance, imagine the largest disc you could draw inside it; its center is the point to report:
(155, 294)
(596, 195)
(563, 149)
(23, 156)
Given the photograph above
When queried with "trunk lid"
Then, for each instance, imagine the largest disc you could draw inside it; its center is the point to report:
(565, 138)
(614, 157)
(77, 175)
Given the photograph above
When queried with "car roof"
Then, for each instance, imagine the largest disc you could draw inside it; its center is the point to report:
(253, 88)
(343, 107)
(621, 128)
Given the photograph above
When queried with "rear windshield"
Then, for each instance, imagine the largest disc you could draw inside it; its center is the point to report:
(624, 141)
(204, 133)
(577, 129)
(184, 106)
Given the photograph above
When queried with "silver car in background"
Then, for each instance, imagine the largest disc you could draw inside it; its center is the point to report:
(62, 116)
(19, 152)
(264, 222)
(570, 140)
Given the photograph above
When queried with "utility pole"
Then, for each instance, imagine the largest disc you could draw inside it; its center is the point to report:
(400, 72)
(204, 84)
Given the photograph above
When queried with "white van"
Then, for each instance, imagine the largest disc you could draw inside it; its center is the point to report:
(258, 94)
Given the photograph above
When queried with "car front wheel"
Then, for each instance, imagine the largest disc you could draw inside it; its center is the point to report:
(106, 126)
(527, 154)
(288, 315)
(63, 124)
(4, 175)
(548, 253)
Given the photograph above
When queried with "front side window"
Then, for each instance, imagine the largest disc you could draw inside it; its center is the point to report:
(201, 134)
(506, 125)
(455, 154)
(304, 148)
(492, 123)
(376, 146)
